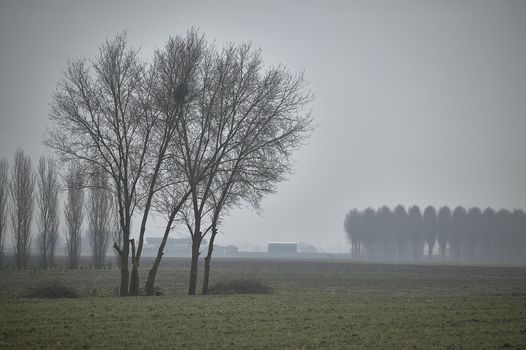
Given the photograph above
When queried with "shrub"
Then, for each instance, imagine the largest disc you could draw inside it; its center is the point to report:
(54, 289)
(240, 286)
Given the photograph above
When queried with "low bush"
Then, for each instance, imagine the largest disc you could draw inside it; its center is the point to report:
(54, 289)
(240, 286)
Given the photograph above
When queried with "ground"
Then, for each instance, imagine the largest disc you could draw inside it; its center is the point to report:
(315, 304)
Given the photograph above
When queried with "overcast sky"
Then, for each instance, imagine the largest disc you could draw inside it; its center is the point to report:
(417, 102)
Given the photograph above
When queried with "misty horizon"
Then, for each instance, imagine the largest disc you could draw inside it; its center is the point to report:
(418, 103)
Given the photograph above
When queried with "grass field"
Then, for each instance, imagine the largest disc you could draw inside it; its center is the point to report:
(329, 305)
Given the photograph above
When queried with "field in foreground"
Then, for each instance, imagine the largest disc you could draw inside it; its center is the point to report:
(315, 305)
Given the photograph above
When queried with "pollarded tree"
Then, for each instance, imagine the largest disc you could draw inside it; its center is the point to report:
(22, 187)
(443, 229)
(429, 228)
(100, 204)
(48, 212)
(417, 238)
(4, 194)
(74, 213)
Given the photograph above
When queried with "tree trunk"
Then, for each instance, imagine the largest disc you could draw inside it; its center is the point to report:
(125, 276)
(192, 286)
(134, 279)
(150, 283)
(207, 261)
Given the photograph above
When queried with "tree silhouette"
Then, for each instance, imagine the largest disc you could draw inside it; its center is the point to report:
(473, 233)
(458, 233)
(102, 115)
(74, 213)
(48, 213)
(443, 229)
(429, 228)
(415, 232)
(100, 203)
(487, 240)
(385, 234)
(21, 188)
(401, 232)
(517, 237)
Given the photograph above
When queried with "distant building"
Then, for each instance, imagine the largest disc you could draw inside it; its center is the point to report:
(283, 247)
(174, 246)
(225, 251)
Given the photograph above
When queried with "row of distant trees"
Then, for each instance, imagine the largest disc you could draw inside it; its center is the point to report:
(189, 134)
(30, 199)
(462, 235)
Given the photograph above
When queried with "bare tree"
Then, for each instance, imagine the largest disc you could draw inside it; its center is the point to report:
(99, 217)
(48, 218)
(173, 88)
(4, 194)
(22, 187)
(246, 124)
(102, 116)
(74, 213)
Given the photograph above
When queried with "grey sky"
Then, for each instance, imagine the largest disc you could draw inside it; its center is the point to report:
(418, 102)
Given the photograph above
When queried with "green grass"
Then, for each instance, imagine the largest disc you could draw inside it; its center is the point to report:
(315, 305)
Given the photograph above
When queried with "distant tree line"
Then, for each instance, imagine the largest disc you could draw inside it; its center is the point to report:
(463, 236)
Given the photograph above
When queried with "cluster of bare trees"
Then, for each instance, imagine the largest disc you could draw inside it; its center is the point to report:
(462, 235)
(191, 134)
(23, 188)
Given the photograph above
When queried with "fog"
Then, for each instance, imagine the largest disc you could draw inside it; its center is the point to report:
(417, 103)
